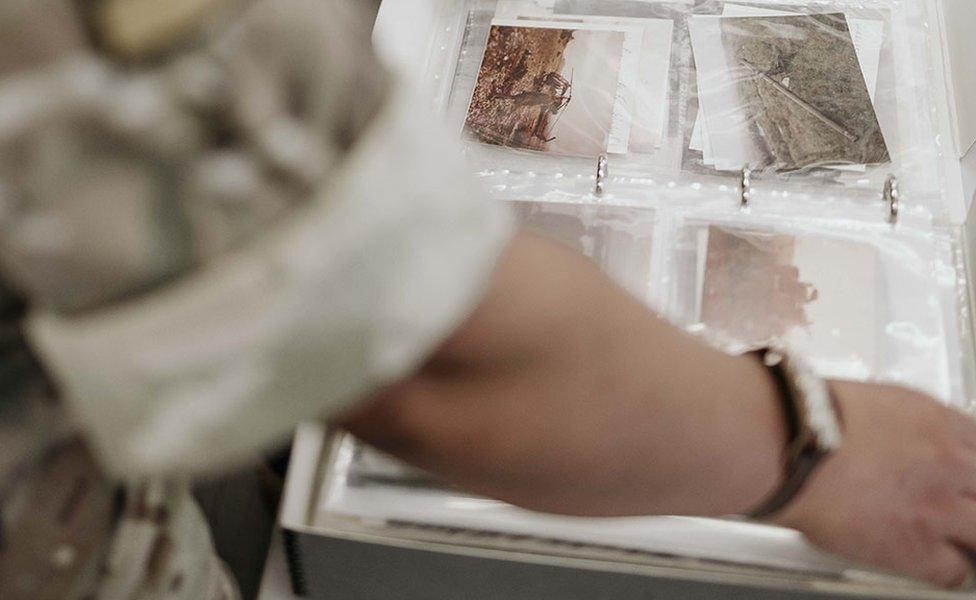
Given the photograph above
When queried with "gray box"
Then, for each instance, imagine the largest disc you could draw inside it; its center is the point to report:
(379, 560)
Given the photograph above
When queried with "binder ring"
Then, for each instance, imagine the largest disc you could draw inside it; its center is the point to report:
(892, 197)
(745, 188)
(601, 175)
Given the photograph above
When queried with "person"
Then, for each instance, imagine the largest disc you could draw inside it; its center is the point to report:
(221, 220)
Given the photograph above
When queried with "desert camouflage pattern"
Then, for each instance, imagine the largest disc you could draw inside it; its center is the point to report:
(140, 140)
(71, 533)
(118, 175)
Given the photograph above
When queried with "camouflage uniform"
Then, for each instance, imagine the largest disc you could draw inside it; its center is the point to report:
(138, 143)
(217, 219)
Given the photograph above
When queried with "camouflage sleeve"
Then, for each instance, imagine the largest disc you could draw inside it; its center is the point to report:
(126, 162)
(254, 229)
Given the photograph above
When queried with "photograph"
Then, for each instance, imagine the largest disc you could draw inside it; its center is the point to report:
(806, 96)
(817, 294)
(553, 89)
(651, 85)
(868, 36)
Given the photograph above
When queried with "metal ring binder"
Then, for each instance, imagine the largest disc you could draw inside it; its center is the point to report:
(601, 175)
(892, 197)
(891, 194)
(745, 187)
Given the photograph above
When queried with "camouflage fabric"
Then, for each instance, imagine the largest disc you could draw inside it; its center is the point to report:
(139, 141)
(119, 176)
(161, 550)
(69, 532)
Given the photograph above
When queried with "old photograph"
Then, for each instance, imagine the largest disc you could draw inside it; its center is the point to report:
(806, 96)
(752, 292)
(868, 36)
(550, 89)
(815, 294)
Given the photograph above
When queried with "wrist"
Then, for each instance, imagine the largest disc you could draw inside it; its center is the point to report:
(812, 421)
(763, 452)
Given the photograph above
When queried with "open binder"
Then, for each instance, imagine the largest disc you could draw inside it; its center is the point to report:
(854, 227)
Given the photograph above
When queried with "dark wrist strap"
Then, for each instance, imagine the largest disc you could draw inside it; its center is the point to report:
(798, 472)
(804, 453)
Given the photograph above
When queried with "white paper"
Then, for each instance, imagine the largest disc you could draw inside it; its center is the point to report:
(716, 76)
(843, 336)
(830, 288)
(627, 92)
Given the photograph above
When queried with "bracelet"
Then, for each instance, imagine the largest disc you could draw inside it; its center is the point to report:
(813, 425)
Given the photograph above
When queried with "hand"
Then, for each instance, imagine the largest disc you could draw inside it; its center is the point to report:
(900, 494)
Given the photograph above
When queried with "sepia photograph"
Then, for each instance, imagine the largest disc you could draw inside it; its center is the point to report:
(818, 294)
(752, 291)
(549, 89)
(647, 75)
(801, 82)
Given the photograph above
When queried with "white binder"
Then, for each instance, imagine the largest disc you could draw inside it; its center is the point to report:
(314, 538)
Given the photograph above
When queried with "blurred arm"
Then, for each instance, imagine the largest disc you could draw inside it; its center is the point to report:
(562, 393)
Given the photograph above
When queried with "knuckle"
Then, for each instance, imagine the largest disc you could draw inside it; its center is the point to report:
(942, 565)
(950, 574)
(911, 530)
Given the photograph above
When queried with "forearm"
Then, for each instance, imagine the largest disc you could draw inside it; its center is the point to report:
(563, 394)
